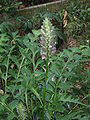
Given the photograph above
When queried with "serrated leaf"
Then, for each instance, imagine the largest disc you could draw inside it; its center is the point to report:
(64, 98)
(10, 116)
(15, 60)
(12, 105)
(33, 90)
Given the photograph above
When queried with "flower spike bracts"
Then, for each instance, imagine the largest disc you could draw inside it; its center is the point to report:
(47, 40)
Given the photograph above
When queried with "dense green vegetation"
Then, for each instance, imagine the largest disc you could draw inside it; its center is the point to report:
(45, 64)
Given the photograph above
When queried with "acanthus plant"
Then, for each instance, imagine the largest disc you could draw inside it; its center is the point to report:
(24, 77)
(48, 47)
(48, 44)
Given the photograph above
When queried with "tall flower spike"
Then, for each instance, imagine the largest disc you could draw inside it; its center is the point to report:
(47, 39)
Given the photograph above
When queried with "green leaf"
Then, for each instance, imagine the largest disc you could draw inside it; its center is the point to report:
(10, 116)
(65, 99)
(84, 118)
(15, 60)
(69, 116)
(3, 98)
(65, 85)
(13, 104)
(33, 90)
(39, 62)
(1, 108)
(36, 33)
(48, 115)
(2, 50)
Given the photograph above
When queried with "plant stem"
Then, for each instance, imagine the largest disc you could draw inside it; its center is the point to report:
(20, 67)
(46, 76)
(21, 64)
(7, 66)
(26, 99)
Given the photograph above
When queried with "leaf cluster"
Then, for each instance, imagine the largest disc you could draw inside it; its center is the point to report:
(22, 74)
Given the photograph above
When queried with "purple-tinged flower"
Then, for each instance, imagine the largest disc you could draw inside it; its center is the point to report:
(47, 39)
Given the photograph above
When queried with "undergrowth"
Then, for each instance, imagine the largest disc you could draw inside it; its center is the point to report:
(22, 75)
(37, 82)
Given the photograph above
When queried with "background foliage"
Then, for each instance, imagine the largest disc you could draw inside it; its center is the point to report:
(22, 71)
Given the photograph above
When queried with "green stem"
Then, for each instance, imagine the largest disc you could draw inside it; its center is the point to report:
(33, 62)
(21, 64)
(60, 78)
(46, 76)
(62, 73)
(20, 67)
(26, 99)
(6, 77)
